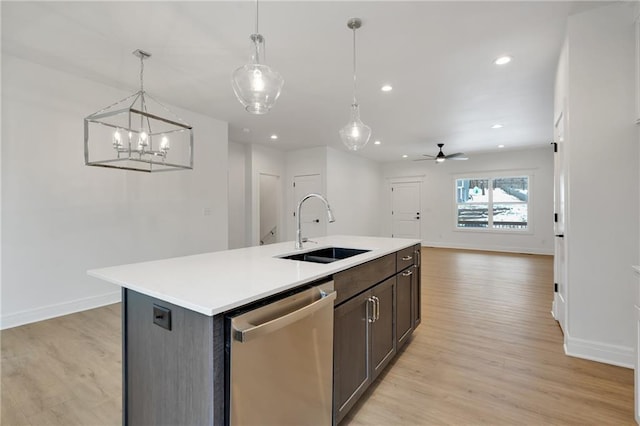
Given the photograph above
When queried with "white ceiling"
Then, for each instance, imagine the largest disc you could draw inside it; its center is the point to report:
(437, 55)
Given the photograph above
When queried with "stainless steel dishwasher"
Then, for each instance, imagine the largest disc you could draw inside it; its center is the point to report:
(280, 360)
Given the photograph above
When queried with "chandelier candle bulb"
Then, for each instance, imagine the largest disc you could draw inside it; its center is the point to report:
(164, 144)
(117, 139)
(142, 141)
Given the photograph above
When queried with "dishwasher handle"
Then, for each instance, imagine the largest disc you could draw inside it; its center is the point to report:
(242, 334)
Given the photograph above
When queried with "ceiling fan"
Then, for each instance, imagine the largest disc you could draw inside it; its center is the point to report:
(441, 157)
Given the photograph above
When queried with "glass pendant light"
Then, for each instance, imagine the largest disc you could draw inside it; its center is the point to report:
(355, 134)
(256, 85)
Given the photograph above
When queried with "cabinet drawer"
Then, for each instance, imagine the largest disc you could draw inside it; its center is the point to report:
(359, 278)
(405, 258)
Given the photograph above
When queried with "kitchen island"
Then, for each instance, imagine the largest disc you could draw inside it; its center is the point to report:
(174, 328)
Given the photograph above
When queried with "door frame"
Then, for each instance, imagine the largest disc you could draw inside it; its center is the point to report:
(291, 219)
(561, 296)
(278, 204)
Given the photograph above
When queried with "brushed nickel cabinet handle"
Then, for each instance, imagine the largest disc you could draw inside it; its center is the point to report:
(376, 302)
(407, 273)
(405, 258)
(371, 318)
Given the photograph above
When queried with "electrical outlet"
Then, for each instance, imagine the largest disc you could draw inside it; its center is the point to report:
(206, 211)
(162, 317)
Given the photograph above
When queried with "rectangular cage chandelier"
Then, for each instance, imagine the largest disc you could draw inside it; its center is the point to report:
(138, 133)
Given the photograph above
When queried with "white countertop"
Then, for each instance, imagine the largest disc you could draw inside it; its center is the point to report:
(212, 283)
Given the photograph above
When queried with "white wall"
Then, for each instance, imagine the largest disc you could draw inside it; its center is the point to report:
(61, 218)
(236, 195)
(438, 200)
(637, 20)
(602, 222)
(353, 189)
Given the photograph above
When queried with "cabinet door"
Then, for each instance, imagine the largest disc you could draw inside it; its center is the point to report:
(383, 339)
(416, 289)
(351, 373)
(404, 315)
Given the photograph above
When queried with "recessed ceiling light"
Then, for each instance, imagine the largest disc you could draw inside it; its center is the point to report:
(377, 142)
(274, 137)
(502, 60)
(497, 126)
(500, 146)
(404, 156)
(386, 88)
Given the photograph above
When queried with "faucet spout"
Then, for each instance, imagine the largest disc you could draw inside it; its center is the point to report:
(330, 216)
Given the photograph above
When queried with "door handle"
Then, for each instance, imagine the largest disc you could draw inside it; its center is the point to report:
(560, 235)
(316, 220)
(244, 334)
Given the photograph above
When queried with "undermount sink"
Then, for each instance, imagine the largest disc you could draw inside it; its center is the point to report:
(325, 255)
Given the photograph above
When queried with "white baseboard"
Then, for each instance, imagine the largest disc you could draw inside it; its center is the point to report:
(621, 356)
(526, 250)
(57, 310)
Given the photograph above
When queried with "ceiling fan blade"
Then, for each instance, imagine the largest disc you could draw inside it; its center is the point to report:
(424, 159)
(457, 156)
(427, 155)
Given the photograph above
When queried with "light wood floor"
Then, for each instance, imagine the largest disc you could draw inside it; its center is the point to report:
(487, 352)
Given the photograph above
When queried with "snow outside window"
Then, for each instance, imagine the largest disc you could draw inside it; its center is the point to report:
(493, 203)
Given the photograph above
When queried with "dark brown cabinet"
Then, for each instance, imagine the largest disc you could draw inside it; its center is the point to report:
(351, 372)
(376, 311)
(408, 312)
(383, 346)
(416, 289)
(404, 305)
(364, 343)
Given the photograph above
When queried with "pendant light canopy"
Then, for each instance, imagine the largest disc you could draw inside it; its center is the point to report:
(138, 133)
(355, 134)
(256, 85)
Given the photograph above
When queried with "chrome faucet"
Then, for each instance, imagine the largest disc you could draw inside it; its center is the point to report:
(298, 221)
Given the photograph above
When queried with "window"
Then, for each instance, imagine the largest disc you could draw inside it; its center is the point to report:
(500, 203)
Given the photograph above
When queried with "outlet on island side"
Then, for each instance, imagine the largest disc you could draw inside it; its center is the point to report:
(162, 317)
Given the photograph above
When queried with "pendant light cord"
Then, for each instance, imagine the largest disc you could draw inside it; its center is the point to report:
(141, 72)
(143, 103)
(354, 67)
(257, 17)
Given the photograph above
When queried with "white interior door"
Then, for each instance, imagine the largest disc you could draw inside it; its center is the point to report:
(559, 308)
(405, 210)
(314, 213)
(269, 212)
